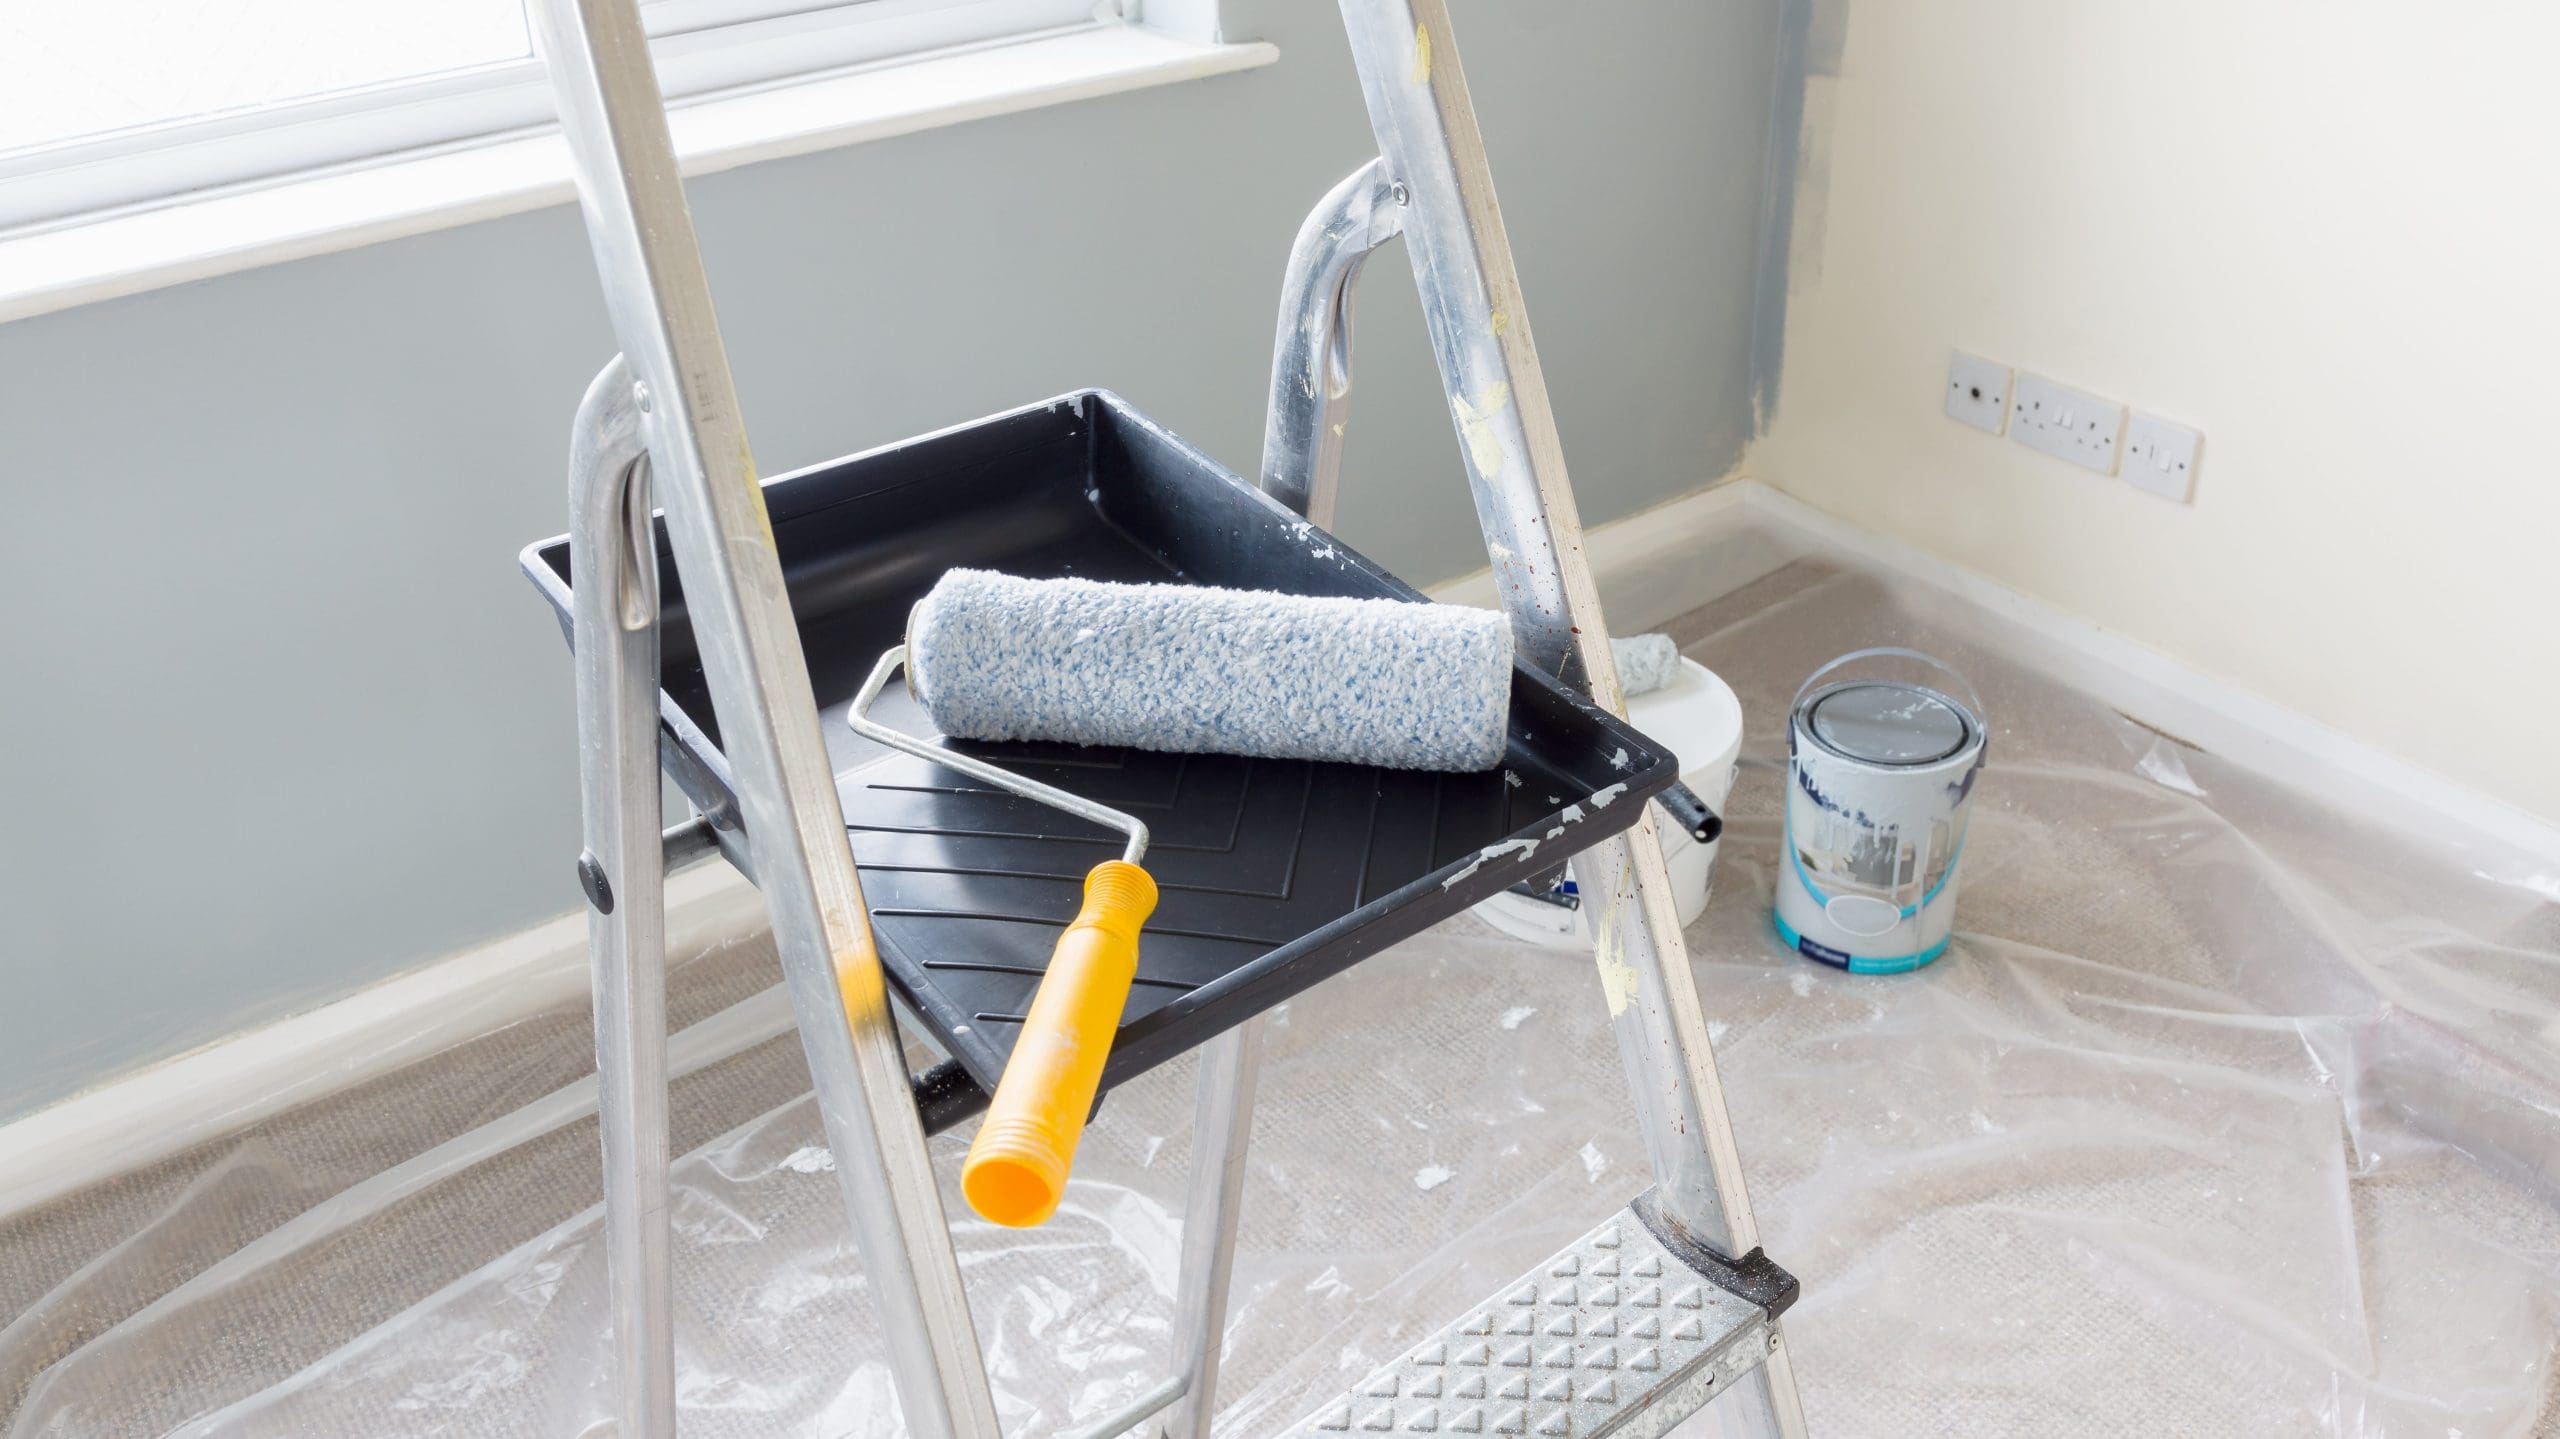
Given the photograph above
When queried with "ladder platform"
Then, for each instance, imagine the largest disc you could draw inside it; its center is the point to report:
(1617, 1334)
(1273, 875)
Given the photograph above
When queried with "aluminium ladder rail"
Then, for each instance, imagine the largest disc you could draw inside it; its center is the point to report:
(1660, 1308)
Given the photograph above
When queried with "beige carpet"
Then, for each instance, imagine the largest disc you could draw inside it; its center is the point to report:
(2226, 1114)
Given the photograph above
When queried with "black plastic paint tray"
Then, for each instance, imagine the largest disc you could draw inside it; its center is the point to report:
(1273, 874)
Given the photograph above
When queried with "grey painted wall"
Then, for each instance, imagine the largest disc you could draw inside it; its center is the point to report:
(282, 720)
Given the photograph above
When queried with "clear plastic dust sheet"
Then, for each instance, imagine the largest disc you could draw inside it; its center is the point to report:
(2229, 1112)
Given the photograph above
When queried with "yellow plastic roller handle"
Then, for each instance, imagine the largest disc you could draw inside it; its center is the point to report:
(1017, 1166)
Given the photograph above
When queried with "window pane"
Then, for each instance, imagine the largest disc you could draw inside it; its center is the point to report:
(73, 68)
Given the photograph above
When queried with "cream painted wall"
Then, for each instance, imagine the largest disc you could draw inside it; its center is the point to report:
(2328, 235)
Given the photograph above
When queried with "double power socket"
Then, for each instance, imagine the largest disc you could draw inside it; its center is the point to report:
(2090, 431)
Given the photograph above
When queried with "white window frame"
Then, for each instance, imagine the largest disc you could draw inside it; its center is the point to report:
(705, 49)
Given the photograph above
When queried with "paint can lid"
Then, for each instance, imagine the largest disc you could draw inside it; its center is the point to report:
(1889, 724)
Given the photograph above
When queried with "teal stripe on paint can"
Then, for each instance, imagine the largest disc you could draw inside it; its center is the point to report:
(1824, 954)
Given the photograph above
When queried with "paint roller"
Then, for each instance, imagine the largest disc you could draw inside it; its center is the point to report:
(1647, 663)
(1181, 668)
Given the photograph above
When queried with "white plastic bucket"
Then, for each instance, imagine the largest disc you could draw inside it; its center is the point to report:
(1698, 716)
(1880, 775)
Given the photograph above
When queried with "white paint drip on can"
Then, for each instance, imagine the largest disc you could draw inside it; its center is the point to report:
(1880, 776)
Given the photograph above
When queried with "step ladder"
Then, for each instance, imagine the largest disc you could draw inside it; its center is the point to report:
(1660, 1309)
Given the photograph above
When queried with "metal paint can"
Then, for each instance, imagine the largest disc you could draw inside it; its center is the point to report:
(1880, 775)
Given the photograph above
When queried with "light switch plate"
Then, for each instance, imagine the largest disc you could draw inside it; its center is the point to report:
(2065, 423)
(2161, 457)
(1978, 392)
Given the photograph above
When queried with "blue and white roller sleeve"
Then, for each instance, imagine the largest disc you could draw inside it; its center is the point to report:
(1210, 671)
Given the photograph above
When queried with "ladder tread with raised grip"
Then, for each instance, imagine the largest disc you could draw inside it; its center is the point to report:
(1611, 1331)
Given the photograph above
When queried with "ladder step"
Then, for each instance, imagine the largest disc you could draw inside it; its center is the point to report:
(1617, 1334)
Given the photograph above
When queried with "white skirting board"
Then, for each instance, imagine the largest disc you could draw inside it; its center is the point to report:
(1676, 556)
(1650, 566)
(1660, 563)
(2214, 715)
(164, 1108)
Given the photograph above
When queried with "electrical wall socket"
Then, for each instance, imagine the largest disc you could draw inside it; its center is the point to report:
(2160, 457)
(1978, 392)
(2065, 423)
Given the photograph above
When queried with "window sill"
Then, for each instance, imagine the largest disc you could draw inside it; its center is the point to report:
(342, 209)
